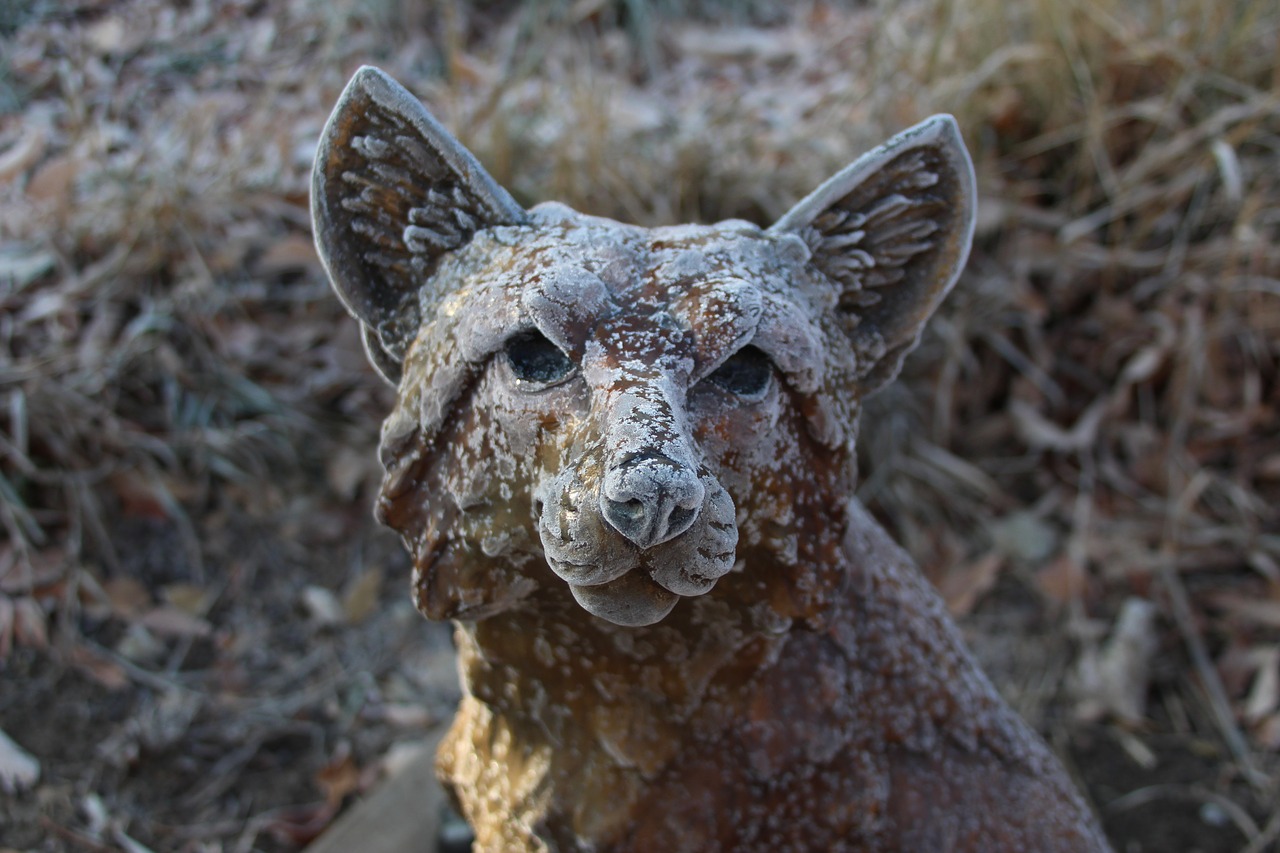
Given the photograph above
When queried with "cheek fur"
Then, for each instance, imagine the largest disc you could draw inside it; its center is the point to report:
(737, 437)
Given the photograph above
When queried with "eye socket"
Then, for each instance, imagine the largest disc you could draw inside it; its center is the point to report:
(533, 358)
(746, 373)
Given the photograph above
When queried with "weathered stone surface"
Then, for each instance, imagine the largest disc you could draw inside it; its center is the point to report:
(623, 461)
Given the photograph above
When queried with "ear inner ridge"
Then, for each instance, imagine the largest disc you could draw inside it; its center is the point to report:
(392, 192)
(891, 233)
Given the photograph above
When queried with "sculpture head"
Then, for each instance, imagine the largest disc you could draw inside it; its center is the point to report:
(630, 413)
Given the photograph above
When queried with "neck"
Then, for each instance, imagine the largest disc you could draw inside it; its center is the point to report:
(560, 701)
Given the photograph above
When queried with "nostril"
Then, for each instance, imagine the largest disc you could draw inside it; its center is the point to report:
(680, 520)
(631, 511)
(631, 518)
(650, 499)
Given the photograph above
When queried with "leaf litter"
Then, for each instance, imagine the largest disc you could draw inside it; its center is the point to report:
(1084, 454)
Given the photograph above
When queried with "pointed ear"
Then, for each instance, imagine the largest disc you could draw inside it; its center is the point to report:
(391, 192)
(891, 232)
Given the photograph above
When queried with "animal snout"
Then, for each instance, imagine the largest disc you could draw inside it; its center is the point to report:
(649, 498)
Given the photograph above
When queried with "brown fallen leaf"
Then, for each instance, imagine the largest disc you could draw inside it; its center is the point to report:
(300, 825)
(24, 153)
(964, 586)
(40, 574)
(6, 626)
(1258, 611)
(52, 182)
(348, 469)
(1267, 732)
(361, 596)
(142, 495)
(128, 597)
(30, 623)
(290, 254)
(169, 621)
(106, 672)
(340, 776)
(1062, 580)
(1269, 468)
(189, 598)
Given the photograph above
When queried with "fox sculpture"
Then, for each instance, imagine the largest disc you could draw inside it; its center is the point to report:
(623, 461)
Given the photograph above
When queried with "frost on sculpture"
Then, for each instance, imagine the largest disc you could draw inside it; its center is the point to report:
(622, 459)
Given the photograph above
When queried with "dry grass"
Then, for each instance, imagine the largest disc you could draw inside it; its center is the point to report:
(1096, 414)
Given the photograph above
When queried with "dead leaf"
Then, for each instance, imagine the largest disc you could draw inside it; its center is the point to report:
(140, 646)
(30, 623)
(1264, 695)
(1024, 536)
(1262, 612)
(19, 769)
(340, 776)
(142, 495)
(24, 153)
(52, 182)
(406, 715)
(189, 598)
(1269, 468)
(99, 336)
(106, 672)
(6, 626)
(1268, 732)
(129, 845)
(1040, 433)
(162, 723)
(1062, 580)
(294, 253)
(1236, 667)
(1144, 364)
(169, 621)
(361, 596)
(964, 586)
(107, 36)
(129, 598)
(24, 264)
(322, 606)
(1115, 678)
(347, 469)
(300, 825)
(91, 595)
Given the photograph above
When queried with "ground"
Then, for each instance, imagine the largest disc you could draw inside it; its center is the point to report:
(206, 643)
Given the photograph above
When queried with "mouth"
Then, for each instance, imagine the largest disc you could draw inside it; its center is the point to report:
(612, 577)
(591, 572)
(631, 587)
(632, 600)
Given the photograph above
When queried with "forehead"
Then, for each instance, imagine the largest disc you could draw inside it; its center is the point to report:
(638, 265)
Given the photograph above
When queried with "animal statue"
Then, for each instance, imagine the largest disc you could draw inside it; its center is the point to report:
(623, 461)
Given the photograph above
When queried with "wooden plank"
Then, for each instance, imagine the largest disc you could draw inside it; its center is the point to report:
(401, 815)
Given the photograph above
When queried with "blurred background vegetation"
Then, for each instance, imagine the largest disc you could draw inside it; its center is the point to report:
(1084, 454)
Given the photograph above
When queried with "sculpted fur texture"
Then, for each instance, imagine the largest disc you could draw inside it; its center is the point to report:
(623, 461)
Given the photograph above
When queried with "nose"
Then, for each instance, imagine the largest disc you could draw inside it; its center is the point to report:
(649, 498)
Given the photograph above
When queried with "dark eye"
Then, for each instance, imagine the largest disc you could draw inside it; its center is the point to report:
(533, 358)
(746, 373)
